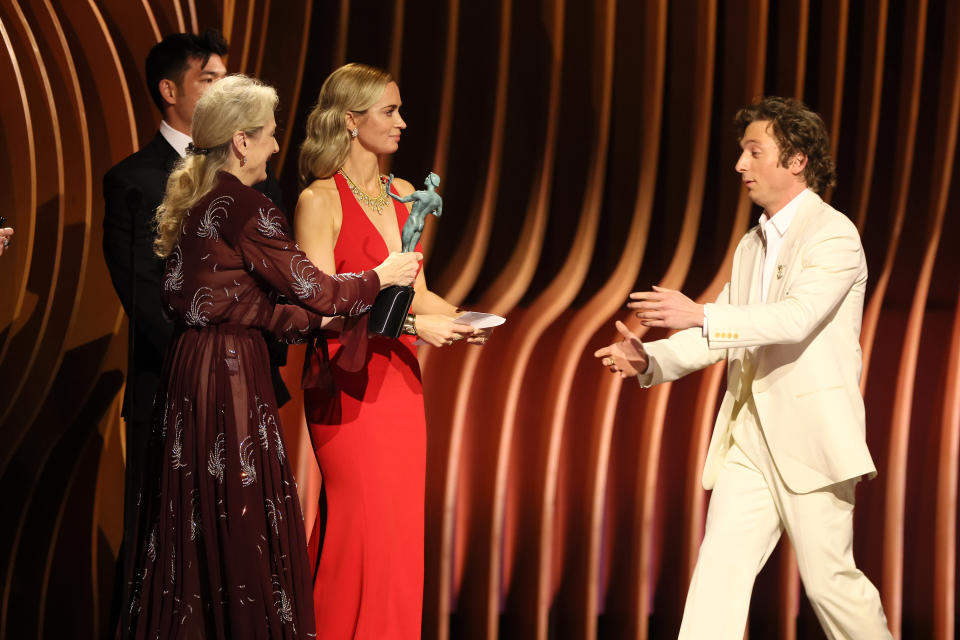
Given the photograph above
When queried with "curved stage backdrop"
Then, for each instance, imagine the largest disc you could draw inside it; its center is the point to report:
(587, 151)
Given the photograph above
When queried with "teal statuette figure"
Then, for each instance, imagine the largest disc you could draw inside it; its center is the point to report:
(425, 202)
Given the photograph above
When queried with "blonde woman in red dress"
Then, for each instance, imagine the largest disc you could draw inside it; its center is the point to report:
(367, 425)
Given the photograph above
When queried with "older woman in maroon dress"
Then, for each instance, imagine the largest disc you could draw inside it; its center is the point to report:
(219, 549)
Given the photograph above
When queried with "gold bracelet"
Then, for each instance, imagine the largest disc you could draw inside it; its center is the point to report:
(410, 324)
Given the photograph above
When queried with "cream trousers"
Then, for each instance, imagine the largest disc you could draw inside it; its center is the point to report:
(749, 508)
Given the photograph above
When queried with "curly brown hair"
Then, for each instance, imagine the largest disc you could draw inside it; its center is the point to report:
(797, 129)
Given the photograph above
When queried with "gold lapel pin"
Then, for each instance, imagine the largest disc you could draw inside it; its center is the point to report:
(779, 271)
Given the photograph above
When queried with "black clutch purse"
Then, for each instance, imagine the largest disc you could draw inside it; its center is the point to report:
(389, 311)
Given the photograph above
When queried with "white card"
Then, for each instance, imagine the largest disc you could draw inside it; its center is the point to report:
(479, 320)
(475, 319)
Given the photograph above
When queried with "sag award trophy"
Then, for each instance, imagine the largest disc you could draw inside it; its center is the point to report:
(392, 304)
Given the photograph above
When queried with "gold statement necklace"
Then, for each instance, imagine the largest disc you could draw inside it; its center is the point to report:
(377, 203)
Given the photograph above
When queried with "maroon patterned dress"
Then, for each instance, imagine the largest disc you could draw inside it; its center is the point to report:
(220, 548)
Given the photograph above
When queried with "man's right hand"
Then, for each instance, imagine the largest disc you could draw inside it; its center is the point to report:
(627, 357)
(399, 268)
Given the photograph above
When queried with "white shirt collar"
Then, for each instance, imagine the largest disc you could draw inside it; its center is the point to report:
(177, 139)
(781, 221)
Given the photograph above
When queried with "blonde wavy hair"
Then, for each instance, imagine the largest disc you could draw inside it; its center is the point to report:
(353, 87)
(235, 103)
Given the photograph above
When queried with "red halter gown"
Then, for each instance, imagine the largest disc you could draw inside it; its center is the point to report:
(369, 436)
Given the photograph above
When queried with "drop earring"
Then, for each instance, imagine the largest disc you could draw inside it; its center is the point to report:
(354, 133)
(243, 160)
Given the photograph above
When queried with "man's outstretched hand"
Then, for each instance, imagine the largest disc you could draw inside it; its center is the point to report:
(666, 308)
(626, 357)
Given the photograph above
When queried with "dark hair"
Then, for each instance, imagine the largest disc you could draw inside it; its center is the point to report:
(797, 129)
(170, 58)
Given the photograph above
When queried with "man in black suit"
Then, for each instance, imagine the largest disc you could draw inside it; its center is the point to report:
(178, 70)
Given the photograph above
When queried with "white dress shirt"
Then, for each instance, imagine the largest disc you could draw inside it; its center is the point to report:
(773, 229)
(177, 139)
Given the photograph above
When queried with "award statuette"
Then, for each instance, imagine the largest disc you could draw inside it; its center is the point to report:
(393, 303)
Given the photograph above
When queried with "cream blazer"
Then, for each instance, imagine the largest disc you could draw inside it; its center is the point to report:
(798, 354)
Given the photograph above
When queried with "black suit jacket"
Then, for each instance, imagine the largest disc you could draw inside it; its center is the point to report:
(132, 191)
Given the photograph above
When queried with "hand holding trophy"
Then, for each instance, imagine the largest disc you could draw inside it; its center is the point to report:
(393, 303)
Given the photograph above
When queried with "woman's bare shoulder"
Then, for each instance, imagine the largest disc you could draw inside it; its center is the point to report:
(320, 196)
(319, 203)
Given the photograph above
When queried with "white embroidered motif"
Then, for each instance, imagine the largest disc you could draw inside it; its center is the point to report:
(152, 544)
(216, 462)
(210, 221)
(282, 602)
(305, 283)
(268, 225)
(281, 452)
(196, 315)
(359, 308)
(343, 277)
(248, 473)
(166, 410)
(274, 514)
(173, 281)
(176, 451)
(264, 438)
(135, 602)
(135, 590)
(264, 419)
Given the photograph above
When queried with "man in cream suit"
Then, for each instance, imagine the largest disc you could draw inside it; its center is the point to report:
(788, 447)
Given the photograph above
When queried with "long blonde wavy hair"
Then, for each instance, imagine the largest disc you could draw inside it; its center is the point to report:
(235, 103)
(353, 87)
